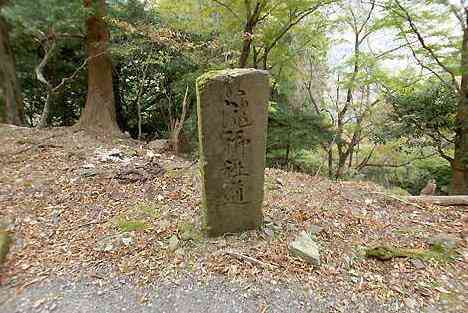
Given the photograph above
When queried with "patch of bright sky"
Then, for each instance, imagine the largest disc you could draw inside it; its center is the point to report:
(379, 42)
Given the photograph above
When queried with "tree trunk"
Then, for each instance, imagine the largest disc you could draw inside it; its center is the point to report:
(121, 121)
(8, 81)
(44, 121)
(342, 157)
(3, 116)
(250, 24)
(460, 162)
(178, 126)
(246, 44)
(330, 163)
(99, 112)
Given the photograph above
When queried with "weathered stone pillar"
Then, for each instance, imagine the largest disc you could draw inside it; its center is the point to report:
(232, 123)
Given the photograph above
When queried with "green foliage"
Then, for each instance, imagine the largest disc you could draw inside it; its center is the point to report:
(290, 132)
(412, 177)
(427, 110)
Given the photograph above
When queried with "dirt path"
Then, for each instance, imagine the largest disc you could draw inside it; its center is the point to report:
(190, 295)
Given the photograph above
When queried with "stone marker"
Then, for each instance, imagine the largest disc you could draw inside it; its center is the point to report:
(232, 123)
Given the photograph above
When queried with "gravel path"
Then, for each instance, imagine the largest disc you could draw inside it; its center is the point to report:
(190, 295)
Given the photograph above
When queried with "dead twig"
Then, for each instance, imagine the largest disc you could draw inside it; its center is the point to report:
(248, 258)
(84, 225)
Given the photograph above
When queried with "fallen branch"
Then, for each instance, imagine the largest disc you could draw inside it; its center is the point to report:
(441, 200)
(84, 225)
(399, 199)
(250, 259)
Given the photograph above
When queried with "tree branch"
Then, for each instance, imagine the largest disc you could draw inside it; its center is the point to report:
(228, 8)
(425, 46)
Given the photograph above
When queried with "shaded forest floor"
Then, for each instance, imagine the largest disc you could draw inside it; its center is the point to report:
(87, 208)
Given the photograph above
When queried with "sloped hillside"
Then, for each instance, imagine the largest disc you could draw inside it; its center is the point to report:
(82, 205)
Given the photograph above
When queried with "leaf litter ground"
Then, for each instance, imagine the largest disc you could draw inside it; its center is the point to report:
(80, 205)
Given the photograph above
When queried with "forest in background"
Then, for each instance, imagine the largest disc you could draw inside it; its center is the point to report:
(365, 90)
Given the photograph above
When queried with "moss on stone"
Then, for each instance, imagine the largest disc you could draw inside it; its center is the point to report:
(436, 253)
(5, 242)
(203, 79)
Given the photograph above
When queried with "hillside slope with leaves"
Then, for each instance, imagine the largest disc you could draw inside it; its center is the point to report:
(81, 205)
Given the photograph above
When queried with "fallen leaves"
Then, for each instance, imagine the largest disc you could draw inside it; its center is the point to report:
(60, 217)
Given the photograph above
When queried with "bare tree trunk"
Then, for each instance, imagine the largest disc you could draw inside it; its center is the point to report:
(460, 162)
(250, 24)
(178, 125)
(44, 121)
(246, 44)
(99, 112)
(330, 163)
(8, 81)
(121, 121)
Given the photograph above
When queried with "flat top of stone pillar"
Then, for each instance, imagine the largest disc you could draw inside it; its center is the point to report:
(223, 74)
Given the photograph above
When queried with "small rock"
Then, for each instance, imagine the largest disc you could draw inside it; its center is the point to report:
(158, 146)
(279, 181)
(88, 172)
(304, 247)
(447, 241)
(56, 216)
(7, 223)
(314, 229)
(173, 243)
(411, 303)
(107, 244)
(164, 224)
(269, 232)
(418, 264)
(126, 239)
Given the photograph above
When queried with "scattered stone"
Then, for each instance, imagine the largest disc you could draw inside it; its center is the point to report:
(88, 172)
(139, 172)
(306, 248)
(446, 241)
(269, 232)
(411, 303)
(314, 229)
(113, 155)
(113, 242)
(418, 264)
(126, 239)
(164, 224)
(232, 119)
(56, 216)
(159, 145)
(105, 244)
(173, 243)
